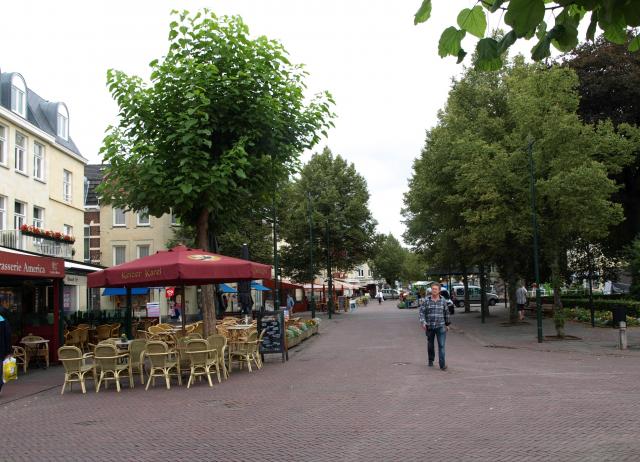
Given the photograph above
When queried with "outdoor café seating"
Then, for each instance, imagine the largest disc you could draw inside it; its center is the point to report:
(163, 362)
(136, 357)
(21, 357)
(103, 332)
(75, 367)
(72, 338)
(36, 347)
(108, 362)
(201, 358)
(245, 352)
(219, 344)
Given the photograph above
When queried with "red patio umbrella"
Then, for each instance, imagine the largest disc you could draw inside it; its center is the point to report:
(179, 266)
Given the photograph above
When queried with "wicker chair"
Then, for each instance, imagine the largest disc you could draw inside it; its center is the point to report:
(21, 357)
(258, 355)
(194, 336)
(162, 362)
(201, 359)
(103, 332)
(36, 352)
(136, 357)
(219, 343)
(115, 330)
(84, 337)
(73, 338)
(245, 352)
(107, 361)
(74, 367)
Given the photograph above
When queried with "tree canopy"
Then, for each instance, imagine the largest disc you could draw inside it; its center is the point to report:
(222, 120)
(343, 227)
(388, 260)
(224, 117)
(526, 20)
(469, 196)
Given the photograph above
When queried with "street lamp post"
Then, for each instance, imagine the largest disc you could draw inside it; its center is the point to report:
(534, 224)
(276, 285)
(330, 276)
(311, 272)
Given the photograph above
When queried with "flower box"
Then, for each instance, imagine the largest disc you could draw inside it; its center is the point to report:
(34, 231)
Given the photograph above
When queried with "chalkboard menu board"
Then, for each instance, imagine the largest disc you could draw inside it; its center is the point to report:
(273, 340)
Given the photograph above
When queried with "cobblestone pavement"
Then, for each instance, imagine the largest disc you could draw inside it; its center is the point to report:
(359, 391)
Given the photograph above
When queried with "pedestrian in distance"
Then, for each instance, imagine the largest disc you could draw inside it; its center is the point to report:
(435, 321)
(380, 297)
(290, 303)
(521, 300)
(5, 338)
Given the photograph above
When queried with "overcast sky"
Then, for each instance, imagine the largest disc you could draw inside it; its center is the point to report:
(384, 73)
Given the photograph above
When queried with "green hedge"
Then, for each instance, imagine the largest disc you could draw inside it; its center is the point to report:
(632, 306)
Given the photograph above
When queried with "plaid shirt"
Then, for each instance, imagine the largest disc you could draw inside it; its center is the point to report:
(434, 314)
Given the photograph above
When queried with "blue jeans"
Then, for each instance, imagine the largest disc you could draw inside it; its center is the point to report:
(441, 334)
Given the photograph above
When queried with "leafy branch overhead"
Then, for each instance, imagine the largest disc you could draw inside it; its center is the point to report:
(619, 19)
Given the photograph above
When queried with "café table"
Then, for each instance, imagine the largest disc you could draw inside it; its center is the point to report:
(33, 348)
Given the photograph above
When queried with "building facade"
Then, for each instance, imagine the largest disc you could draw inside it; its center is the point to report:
(41, 174)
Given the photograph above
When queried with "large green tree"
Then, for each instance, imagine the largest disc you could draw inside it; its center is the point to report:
(609, 77)
(619, 19)
(478, 198)
(223, 119)
(331, 193)
(388, 260)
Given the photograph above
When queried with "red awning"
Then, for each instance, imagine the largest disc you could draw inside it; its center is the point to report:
(32, 266)
(179, 266)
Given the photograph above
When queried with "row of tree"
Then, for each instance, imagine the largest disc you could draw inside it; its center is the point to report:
(216, 137)
(469, 201)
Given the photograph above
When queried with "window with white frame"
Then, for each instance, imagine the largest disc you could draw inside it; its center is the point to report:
(20, 158)
(143, 217)
(143, 250)
(66, 185)
(18, 96)
(38, 217)
(38, 161)
(119, 252)
(360, 272)
(119, 218)
(174, 219)
(19, 214)
(370, 273)
(63, 122)
(4, 132)
(68, 230)
(3, 212)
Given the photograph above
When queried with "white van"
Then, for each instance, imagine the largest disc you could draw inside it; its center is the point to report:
(474, 296)
(390, 294)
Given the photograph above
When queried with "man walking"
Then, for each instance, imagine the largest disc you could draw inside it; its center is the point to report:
(5, 338)
(521, 300)
(434, 317)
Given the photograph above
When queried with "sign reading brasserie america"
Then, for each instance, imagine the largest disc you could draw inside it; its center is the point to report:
(29, 265)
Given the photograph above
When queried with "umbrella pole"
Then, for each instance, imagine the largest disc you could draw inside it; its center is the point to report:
(184, 309)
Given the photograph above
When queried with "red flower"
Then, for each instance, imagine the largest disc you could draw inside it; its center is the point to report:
(24, 227)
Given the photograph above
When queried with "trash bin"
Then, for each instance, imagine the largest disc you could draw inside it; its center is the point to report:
(619, 315)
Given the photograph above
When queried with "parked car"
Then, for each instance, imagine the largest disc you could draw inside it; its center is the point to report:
(390, 294)
(474, 296)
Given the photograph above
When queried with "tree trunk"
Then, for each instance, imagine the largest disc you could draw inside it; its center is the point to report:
(208, 298)
(465, 281)
(557, 302)
(510, 291)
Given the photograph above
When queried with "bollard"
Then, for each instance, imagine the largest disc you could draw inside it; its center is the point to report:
(623, 335)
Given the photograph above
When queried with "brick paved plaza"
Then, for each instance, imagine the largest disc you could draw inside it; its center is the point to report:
(358, 391)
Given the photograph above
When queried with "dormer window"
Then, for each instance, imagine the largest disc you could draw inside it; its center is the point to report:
(18, 96)
(63, 122)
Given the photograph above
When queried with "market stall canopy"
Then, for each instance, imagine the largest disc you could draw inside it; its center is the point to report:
(179, 266)
(258, 286)
(225, 289)
(123, 291)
